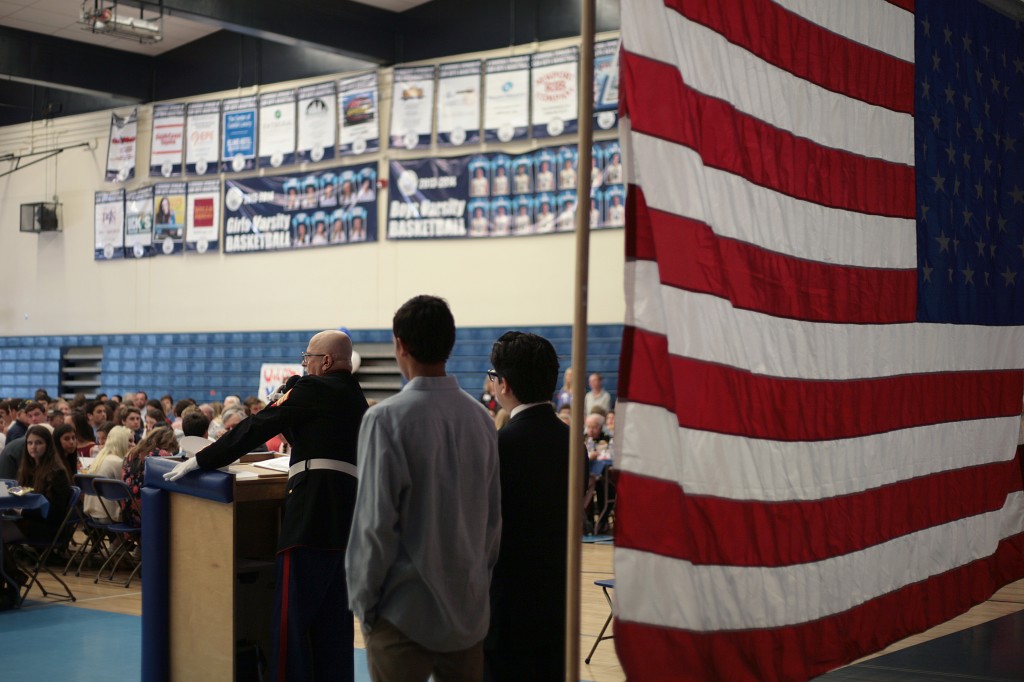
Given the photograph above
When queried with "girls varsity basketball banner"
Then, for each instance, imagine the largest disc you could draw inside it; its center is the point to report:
(168, 140)
(108, 225)
(202, 138)
(329, 207)
(121, 148)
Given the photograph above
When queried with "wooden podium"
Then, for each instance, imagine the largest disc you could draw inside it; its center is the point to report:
(220, 539)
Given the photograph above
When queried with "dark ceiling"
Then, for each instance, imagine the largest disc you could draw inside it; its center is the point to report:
(266, 41)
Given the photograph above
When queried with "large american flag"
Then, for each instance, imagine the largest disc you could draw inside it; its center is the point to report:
(821, 383)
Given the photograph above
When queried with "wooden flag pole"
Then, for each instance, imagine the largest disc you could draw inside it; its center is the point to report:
(579, 339)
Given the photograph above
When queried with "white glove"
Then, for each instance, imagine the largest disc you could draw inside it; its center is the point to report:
(181, 469)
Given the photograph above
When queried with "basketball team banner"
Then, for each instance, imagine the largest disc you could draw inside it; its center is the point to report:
(169, 208)
(202, 138)
(507, 99)
(606, 84)
(108, 225)
(412, 107)
(138, 224)
(121, 147)
(553, 86)
(202, 216)
(277, 129)
(458, 104)
(168, 140)
(238, 150)
(330, 207)
(498, 195)
(358, 113)
(317, 118)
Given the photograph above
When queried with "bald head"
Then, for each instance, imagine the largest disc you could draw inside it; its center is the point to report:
(328, 351)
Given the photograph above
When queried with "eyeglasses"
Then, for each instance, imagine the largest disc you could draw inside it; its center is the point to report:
(492, 375)
(306, 356)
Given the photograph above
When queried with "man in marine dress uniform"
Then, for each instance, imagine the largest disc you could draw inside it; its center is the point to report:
(320, 416)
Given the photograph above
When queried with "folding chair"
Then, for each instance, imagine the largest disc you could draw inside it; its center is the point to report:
(93, 529)
(111, 492)
(40, 551)
(604, 585)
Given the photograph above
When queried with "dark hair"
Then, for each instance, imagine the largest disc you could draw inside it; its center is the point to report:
(31, 406)
(59, 432)
(157, 414)
(155, 403)
(105, 427)
(426, 328)
(39, 474)
(81, 423)
(91, 406)
(181, 405)
(42, 396)
(195, 423)
(528, 363)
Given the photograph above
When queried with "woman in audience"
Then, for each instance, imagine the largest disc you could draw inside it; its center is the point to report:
(67, 447)
(43, 470)
(109, 464)
(83, 431)
(154, 418)
(159, 442)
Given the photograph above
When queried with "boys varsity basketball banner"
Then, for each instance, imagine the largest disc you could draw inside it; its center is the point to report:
(202, 216)
(497, 195)
(277, 129)
(169, 209)
(330, 207)
(122, 146)
(202, 138)
(317, 121)
(238, 149)
(555, 100)
(458, 104)
(507, 99)
(823, 356)
(108, 225)
(138, 224)
(168, 140)
(359, 114)
(412, 107)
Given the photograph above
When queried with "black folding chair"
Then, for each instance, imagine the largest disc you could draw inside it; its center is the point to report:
(94, 530)
(34, 554)
(111, 493)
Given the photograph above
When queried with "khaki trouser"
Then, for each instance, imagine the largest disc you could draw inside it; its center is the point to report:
(393, 657)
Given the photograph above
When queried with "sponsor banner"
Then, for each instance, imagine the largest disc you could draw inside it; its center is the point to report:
(317, 122)
(331, 207)
(553, 87)
(277, 129)
(202, 216)
(412, 107)
(238, 149)
(121, 148)
(202, 138)
(606, 84)
(272, 375)
(497, 195)
(108, 225)
(359, 114)
(169, 207)
(138, 223)
(507, 99)
(168, 141)
(458, 103)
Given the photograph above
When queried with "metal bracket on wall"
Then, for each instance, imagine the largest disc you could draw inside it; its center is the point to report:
(46, 154)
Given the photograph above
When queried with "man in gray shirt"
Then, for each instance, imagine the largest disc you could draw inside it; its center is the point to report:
(426, 529)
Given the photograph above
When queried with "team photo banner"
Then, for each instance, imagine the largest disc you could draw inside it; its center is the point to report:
(108, 225)
(458, 103)
(507, 99)
(498, 195)
(412, 107)
(318, 105)
(168, 140)
(606, 84)
(277, 129)
(202, 217)
(138, 223)
(358, 114)
(121, 147)
(169, 209)
(331, 207)
(555, 105)
(238, 150)
(202, 138)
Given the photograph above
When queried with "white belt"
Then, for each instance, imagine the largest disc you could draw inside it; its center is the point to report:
(336, 465)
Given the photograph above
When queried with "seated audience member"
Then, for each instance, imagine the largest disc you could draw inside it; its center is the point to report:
(195, 423)
(595, 435)
(564, 397)
(66, 441)
(609, 423)
(140, 400)
(167, 404)
(54, 417)
(231, 401)
(27, 413)
(101, 434)
(179, 412)
(253, 405)
(131, 418)
(109, 463)
(96, 412)
(43, 470)
(232, 416)
(155, 418)
(565, 414)
(487, 398)
(83, 430)
(597, 396)
(159, 442)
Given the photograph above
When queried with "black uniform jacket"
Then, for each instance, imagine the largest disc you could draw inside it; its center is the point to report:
(528, 582)
(320, 417)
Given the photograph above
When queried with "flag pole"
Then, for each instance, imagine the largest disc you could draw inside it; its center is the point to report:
(579, 339)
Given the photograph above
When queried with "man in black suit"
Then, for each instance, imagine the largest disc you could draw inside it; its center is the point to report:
(526, 640)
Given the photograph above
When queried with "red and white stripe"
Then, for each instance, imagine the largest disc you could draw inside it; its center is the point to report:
(807, 474)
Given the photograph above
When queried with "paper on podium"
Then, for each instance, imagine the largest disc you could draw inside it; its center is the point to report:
(275, 464)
